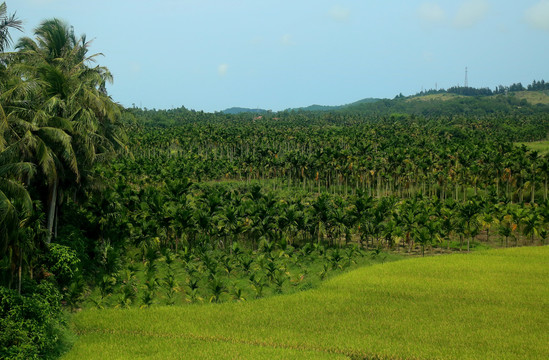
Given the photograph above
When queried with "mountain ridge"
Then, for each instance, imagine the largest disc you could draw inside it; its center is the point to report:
(314, 107)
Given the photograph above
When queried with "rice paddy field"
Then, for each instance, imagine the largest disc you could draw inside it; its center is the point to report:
(491, 304)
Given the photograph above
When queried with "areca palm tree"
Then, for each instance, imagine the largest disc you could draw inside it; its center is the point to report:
(532, 224)
(468, 213)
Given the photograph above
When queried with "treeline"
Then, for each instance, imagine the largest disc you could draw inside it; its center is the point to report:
(499, 90)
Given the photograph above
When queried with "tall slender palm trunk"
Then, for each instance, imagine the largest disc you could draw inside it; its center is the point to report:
(51, 210)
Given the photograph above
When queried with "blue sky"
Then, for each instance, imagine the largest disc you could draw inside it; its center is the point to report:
(210, 55)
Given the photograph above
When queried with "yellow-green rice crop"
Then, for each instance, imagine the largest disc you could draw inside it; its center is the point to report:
(486, 305)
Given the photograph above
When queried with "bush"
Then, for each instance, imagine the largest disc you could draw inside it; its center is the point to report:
(32, 323)
(63, 262)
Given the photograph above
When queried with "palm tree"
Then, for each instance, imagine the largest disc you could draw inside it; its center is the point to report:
(15, 209)
(7, 22)
(534, 157)
(72, 120)
(544, 169)
(321, 209)
(532, 224)
(468, 213)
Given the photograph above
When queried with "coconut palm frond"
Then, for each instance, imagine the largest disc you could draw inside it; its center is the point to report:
(60, 137)
(7, 22)
(60, 123)
(45, 158)
(17, 191)
(17, 169)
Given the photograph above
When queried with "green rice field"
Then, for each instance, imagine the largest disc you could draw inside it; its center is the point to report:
(491, 304)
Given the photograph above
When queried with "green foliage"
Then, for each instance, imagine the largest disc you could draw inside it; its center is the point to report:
(219, 276)
(63, 262)
(32, 323)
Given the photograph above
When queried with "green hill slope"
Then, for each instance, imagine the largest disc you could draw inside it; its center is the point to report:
(534, 97)
(487, 305)
(447, 104)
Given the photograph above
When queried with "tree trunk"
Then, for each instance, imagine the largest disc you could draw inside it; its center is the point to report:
(56, 221)
(532, 200)
(545, 190)
(51, 211)
(20, 270)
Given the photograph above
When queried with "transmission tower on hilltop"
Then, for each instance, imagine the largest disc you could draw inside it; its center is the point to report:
(466, 84)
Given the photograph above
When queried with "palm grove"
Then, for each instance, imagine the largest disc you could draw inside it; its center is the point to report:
(193, 207)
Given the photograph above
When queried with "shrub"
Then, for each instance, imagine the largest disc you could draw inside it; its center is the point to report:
(32, 323)
(63, 262)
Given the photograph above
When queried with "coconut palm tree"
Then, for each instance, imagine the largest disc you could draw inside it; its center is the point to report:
(65, 107)
(7, 22)
(15, 210)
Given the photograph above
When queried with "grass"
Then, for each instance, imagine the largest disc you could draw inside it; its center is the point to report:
(534, 97)
(435, 97)
(484, 305)
(541, 147)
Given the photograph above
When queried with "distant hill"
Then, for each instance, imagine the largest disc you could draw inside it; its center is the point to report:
(334, 107)
(435, 97)
(239, 110)
(531, 97)
(447, 104)
(517, 102)
(364, 101)
(534, 97)
(315, 107)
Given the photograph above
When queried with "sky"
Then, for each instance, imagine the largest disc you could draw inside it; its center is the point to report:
(211, 55)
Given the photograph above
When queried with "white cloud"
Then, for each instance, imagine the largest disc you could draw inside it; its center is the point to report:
(222, 69)
(431, 13)
(471, 13)
(537, 16)
(340, 14)
(287, 40)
